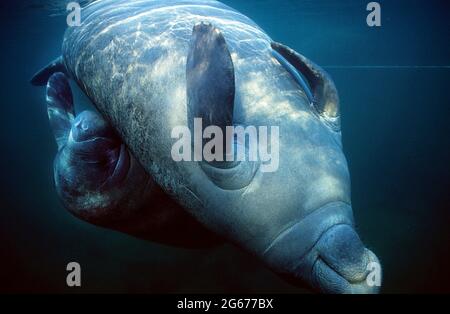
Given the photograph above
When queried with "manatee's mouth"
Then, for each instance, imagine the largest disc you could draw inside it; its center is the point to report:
(324, 250)
(343, 264)
(121, 167)
(98, 144)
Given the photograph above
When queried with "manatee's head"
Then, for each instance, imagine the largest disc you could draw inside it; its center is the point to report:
(296, 216)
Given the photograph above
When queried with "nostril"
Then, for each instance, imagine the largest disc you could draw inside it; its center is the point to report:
(89, 125)
(84, 125)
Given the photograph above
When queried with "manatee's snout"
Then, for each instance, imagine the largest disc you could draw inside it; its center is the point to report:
(324, 252)
(90, 126)
(343, 265)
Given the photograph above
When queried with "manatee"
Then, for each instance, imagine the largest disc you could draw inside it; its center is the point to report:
(150, 66)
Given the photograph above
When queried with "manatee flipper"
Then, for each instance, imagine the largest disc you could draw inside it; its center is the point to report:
(210, 78)
(60, 107)
(42, 76)
(210, 96)
(100, 181)
(324, 92)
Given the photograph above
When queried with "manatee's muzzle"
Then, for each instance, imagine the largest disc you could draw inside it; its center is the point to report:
(324, 250)
(96, 145)
(342, 263)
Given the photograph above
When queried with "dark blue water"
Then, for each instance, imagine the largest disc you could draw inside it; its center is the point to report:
(394, 86)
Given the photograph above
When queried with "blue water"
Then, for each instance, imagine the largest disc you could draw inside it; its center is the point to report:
(394, 87)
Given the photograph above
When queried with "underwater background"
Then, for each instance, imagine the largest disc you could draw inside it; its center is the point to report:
(394, 84)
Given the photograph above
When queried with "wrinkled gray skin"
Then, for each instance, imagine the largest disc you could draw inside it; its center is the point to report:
(116, 170)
